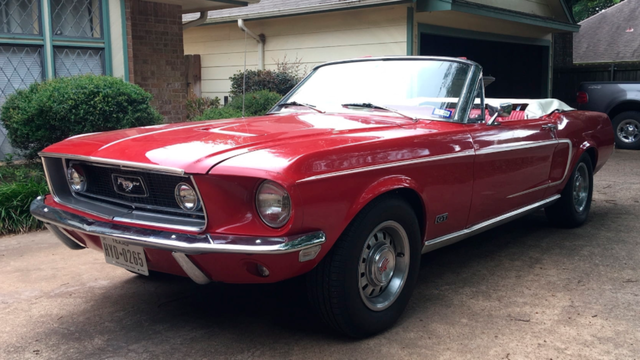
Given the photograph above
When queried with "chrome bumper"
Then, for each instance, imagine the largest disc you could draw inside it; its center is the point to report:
(172, 241)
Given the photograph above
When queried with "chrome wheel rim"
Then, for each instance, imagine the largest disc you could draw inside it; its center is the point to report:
(384, 265)
(581, 187)
(629, 130)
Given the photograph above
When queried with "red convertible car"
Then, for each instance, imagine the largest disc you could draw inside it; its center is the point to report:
(360, 169)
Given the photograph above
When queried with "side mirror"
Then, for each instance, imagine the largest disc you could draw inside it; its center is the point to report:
(504, 110)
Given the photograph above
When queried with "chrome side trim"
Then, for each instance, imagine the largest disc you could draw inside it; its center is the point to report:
(515, 146)
(388, 165)
(190, 244)
(191, 269)
(566, 171)
(484, 226)
(118, 163)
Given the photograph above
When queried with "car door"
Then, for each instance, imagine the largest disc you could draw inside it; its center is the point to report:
(512, 164)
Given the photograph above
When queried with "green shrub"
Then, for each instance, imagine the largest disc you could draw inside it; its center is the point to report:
(275, 81)
(255, 103)
(51, 111)
(219, 113)
(196, 106)
(19, 185)
(281, 80)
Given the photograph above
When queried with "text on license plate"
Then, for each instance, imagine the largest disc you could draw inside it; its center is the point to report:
(119, 253)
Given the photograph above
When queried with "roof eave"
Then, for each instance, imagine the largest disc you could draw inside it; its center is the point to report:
(303, 11)
(504, 14)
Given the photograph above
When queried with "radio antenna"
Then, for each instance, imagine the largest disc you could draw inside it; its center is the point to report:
(244, 72)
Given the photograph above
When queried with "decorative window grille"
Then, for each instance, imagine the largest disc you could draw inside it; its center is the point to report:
(20, 66)
(73, 61)
(76, 18)
(20, 17)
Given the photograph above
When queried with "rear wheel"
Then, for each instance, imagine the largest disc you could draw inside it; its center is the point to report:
(364, 283)
(572, 209)
(627, 128)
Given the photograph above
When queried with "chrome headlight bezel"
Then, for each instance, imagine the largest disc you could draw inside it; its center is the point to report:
(271, 195)
(76, 178)
(187, 202)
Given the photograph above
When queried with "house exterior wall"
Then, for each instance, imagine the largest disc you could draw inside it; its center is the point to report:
(157, 55)
(313, 38)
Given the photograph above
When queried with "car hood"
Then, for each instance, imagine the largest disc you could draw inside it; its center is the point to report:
(198, 146)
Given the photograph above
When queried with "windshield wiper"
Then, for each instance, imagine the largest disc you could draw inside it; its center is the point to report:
(374, 106)
(295, 103)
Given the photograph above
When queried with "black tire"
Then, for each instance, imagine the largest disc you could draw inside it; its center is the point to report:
(334, 285)
(629, 121)
(565, 212)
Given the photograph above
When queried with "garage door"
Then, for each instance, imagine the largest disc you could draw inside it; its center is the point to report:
(521, 70)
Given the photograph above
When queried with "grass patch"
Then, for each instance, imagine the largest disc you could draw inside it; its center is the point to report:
(19, 185)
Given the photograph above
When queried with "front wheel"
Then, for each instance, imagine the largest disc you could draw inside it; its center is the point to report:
(364, 283)
(572, 209)
(627, 128)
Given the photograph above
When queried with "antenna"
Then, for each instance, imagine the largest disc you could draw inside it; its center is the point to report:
(244, 71)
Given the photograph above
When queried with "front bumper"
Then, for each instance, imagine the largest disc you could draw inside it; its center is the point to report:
(179, 244)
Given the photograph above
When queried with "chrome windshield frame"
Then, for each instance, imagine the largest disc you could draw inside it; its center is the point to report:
(466, 98)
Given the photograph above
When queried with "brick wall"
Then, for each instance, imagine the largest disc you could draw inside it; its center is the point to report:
(563, 49)
(156, 55)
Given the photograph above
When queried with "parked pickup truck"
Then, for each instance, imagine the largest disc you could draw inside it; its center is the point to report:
(619, 100)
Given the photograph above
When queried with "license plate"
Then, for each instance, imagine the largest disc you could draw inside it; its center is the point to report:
(127, 256)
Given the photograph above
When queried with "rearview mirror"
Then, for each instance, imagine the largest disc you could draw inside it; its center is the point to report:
(504, 110)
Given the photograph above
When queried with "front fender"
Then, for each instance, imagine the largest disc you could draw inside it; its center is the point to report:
(382, 186)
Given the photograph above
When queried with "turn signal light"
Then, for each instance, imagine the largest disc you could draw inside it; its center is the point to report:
(583, 97)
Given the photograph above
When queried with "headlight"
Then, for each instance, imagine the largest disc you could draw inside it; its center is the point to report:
(187, 197)
(76, 178)
(273, 204)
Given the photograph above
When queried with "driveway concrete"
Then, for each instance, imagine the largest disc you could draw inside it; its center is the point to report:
(522, 291)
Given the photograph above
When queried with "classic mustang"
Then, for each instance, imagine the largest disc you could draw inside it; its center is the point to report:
(360, 169)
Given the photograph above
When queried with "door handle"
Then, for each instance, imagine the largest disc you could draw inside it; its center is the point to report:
(552, 127)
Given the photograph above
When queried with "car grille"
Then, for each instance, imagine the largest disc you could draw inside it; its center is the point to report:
(160, 189)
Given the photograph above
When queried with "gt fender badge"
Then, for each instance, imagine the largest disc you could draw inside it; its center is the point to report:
(442, 218)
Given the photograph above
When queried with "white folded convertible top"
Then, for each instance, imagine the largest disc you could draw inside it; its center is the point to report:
(535, 107)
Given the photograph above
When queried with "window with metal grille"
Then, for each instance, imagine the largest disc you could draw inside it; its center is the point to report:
(20, 17)
(73, 61)
(20, 66)
(76, 18)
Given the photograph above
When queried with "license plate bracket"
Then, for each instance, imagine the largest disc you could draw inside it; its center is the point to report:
(124, 255)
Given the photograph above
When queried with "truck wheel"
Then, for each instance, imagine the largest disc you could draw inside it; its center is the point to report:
(572, 209)
(627, 128)
(364, 283)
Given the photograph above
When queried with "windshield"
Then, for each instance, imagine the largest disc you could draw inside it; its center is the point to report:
(424, 89)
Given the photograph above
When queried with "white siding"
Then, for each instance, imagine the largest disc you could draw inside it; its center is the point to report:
(314, 39)
(118, 57)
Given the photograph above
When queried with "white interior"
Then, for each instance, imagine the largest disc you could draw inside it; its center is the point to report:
(536, 107)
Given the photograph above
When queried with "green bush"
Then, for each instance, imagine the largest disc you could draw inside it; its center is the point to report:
(51, 111)
(255, 103)
(219, 113)
(19, 185)
(275, 81)
(196, 106)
